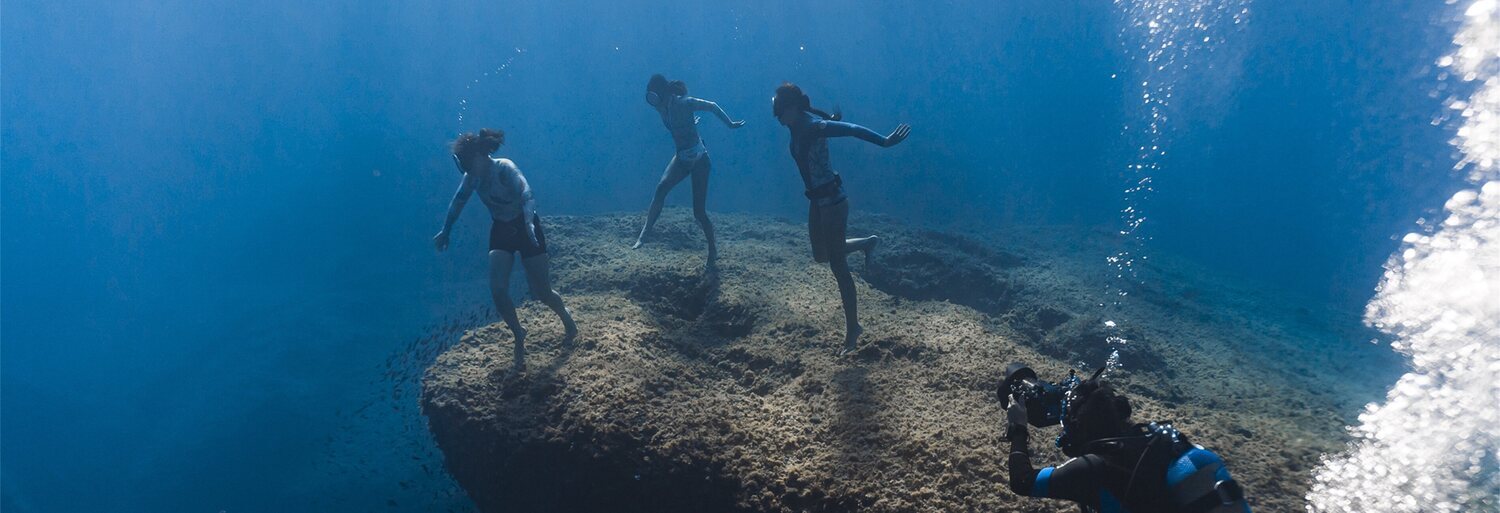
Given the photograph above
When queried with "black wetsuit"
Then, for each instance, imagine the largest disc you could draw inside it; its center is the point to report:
(1103, 482)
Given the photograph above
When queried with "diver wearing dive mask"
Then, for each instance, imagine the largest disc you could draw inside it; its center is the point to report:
(1117, 466)
(678, 114)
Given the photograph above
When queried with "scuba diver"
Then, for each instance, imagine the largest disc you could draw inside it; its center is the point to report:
(677, 112)
(515, 228)
(828, 207)
(1116, 466)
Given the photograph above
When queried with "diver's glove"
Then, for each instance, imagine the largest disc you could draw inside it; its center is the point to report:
(1015, 418)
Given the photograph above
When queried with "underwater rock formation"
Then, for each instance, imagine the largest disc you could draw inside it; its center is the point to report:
(689, 391)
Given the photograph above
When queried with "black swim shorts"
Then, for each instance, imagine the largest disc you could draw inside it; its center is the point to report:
(511, 236)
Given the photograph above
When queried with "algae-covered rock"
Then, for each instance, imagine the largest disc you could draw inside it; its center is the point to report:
(695, 391)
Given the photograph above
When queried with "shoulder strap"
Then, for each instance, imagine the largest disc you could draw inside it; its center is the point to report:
(1162, 445)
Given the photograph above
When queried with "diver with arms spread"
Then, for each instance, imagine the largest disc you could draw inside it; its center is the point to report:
(677, 109)
(828, 207)
(1116, 466)
(515, 228)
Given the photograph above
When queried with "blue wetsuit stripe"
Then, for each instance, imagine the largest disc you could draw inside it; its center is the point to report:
(1039, 488)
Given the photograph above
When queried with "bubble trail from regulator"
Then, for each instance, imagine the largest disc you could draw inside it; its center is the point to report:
(1164, 39)
(1434, 445)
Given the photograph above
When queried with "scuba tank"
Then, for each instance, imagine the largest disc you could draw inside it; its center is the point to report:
(1174, 475)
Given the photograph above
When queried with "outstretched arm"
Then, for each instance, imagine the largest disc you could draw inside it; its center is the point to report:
(843, 129)
(455, 207)
(705, 105)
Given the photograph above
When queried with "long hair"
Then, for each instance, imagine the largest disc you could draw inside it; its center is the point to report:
(485, 142)
(789, 96)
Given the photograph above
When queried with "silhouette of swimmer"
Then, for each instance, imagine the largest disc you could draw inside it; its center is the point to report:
(677, 109)
(515, 228)
(828, 206)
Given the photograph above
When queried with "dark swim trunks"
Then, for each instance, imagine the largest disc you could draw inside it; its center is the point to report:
(510, 236)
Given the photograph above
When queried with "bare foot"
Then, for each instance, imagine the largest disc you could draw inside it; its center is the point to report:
(638, 243)
(520, 348)
(851, 339)
(570, 328)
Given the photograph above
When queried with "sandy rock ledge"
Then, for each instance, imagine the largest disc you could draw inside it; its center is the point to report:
(693, 392)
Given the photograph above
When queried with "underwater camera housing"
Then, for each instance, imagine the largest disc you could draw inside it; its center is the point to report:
(1045, 401)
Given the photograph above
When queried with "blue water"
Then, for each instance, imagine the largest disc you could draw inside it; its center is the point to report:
(217, 215)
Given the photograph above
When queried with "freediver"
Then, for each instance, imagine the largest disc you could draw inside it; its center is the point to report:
(828, 206)
(515, 228)
(677, 109)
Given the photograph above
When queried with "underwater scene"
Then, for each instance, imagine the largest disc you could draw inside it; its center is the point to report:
(750, 256)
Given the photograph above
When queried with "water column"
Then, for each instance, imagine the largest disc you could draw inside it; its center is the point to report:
(1434, 445)
(1167, 42)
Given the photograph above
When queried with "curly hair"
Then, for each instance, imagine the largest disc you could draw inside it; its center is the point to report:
(485, 142)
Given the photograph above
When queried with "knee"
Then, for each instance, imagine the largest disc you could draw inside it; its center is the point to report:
(701, 214)
(541, 293)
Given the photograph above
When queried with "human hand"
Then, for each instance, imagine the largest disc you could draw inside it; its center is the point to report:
(1016, 413)
(736, 124)
(898, 135)
(441, 241)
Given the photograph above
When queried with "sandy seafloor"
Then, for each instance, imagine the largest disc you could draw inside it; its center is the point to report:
(690, 392)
